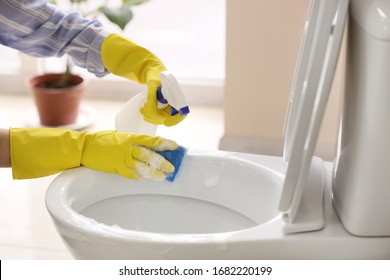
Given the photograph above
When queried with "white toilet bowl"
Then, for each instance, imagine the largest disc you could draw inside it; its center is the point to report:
(222, 206)
(214, 203)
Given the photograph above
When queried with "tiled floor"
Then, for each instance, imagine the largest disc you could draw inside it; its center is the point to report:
(26, 230)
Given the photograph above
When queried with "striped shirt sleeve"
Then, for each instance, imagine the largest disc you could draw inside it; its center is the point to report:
(40, 29)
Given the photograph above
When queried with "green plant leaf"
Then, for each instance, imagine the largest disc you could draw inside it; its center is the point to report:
(119, 16)
(78, 1)
(133, 2)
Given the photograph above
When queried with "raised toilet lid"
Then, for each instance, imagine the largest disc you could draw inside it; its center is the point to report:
(302, 195)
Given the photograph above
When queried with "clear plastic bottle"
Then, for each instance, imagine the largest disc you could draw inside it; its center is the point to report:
(130, 119)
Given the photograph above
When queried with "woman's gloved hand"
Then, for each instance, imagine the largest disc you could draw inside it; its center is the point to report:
(38, 152)
(124, 58)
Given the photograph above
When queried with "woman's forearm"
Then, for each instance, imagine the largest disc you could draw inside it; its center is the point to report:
(41, 29)
(5, 158)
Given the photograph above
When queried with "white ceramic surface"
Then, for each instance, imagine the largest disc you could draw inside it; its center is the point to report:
(215, 196)
(362, 177)
(220, 182)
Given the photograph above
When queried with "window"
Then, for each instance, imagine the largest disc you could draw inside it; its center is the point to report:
(188, 35)
(10, 60)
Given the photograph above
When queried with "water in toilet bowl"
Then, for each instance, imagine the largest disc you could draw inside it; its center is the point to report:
(166, 214)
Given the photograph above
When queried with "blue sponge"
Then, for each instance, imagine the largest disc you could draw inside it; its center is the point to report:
(176, 158)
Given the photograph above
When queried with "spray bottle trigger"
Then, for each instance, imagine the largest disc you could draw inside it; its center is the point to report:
(160, 96)
(162, 103)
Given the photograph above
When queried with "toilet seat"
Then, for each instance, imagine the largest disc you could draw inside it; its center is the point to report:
(302, 195)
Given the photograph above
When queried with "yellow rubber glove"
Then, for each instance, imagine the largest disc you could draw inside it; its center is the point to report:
(38, 152)
(124, 58)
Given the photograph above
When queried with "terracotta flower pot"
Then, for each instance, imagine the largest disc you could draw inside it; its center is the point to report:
(57, 106)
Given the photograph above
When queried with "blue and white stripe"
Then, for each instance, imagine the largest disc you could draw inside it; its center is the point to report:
(40, 29)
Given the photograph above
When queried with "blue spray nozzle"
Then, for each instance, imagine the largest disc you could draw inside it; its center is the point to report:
(164, 102)
(182, 111)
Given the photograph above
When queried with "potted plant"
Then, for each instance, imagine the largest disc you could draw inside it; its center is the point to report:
(58, 95)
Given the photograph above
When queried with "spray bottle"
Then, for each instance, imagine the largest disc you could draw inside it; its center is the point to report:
(130, 119)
